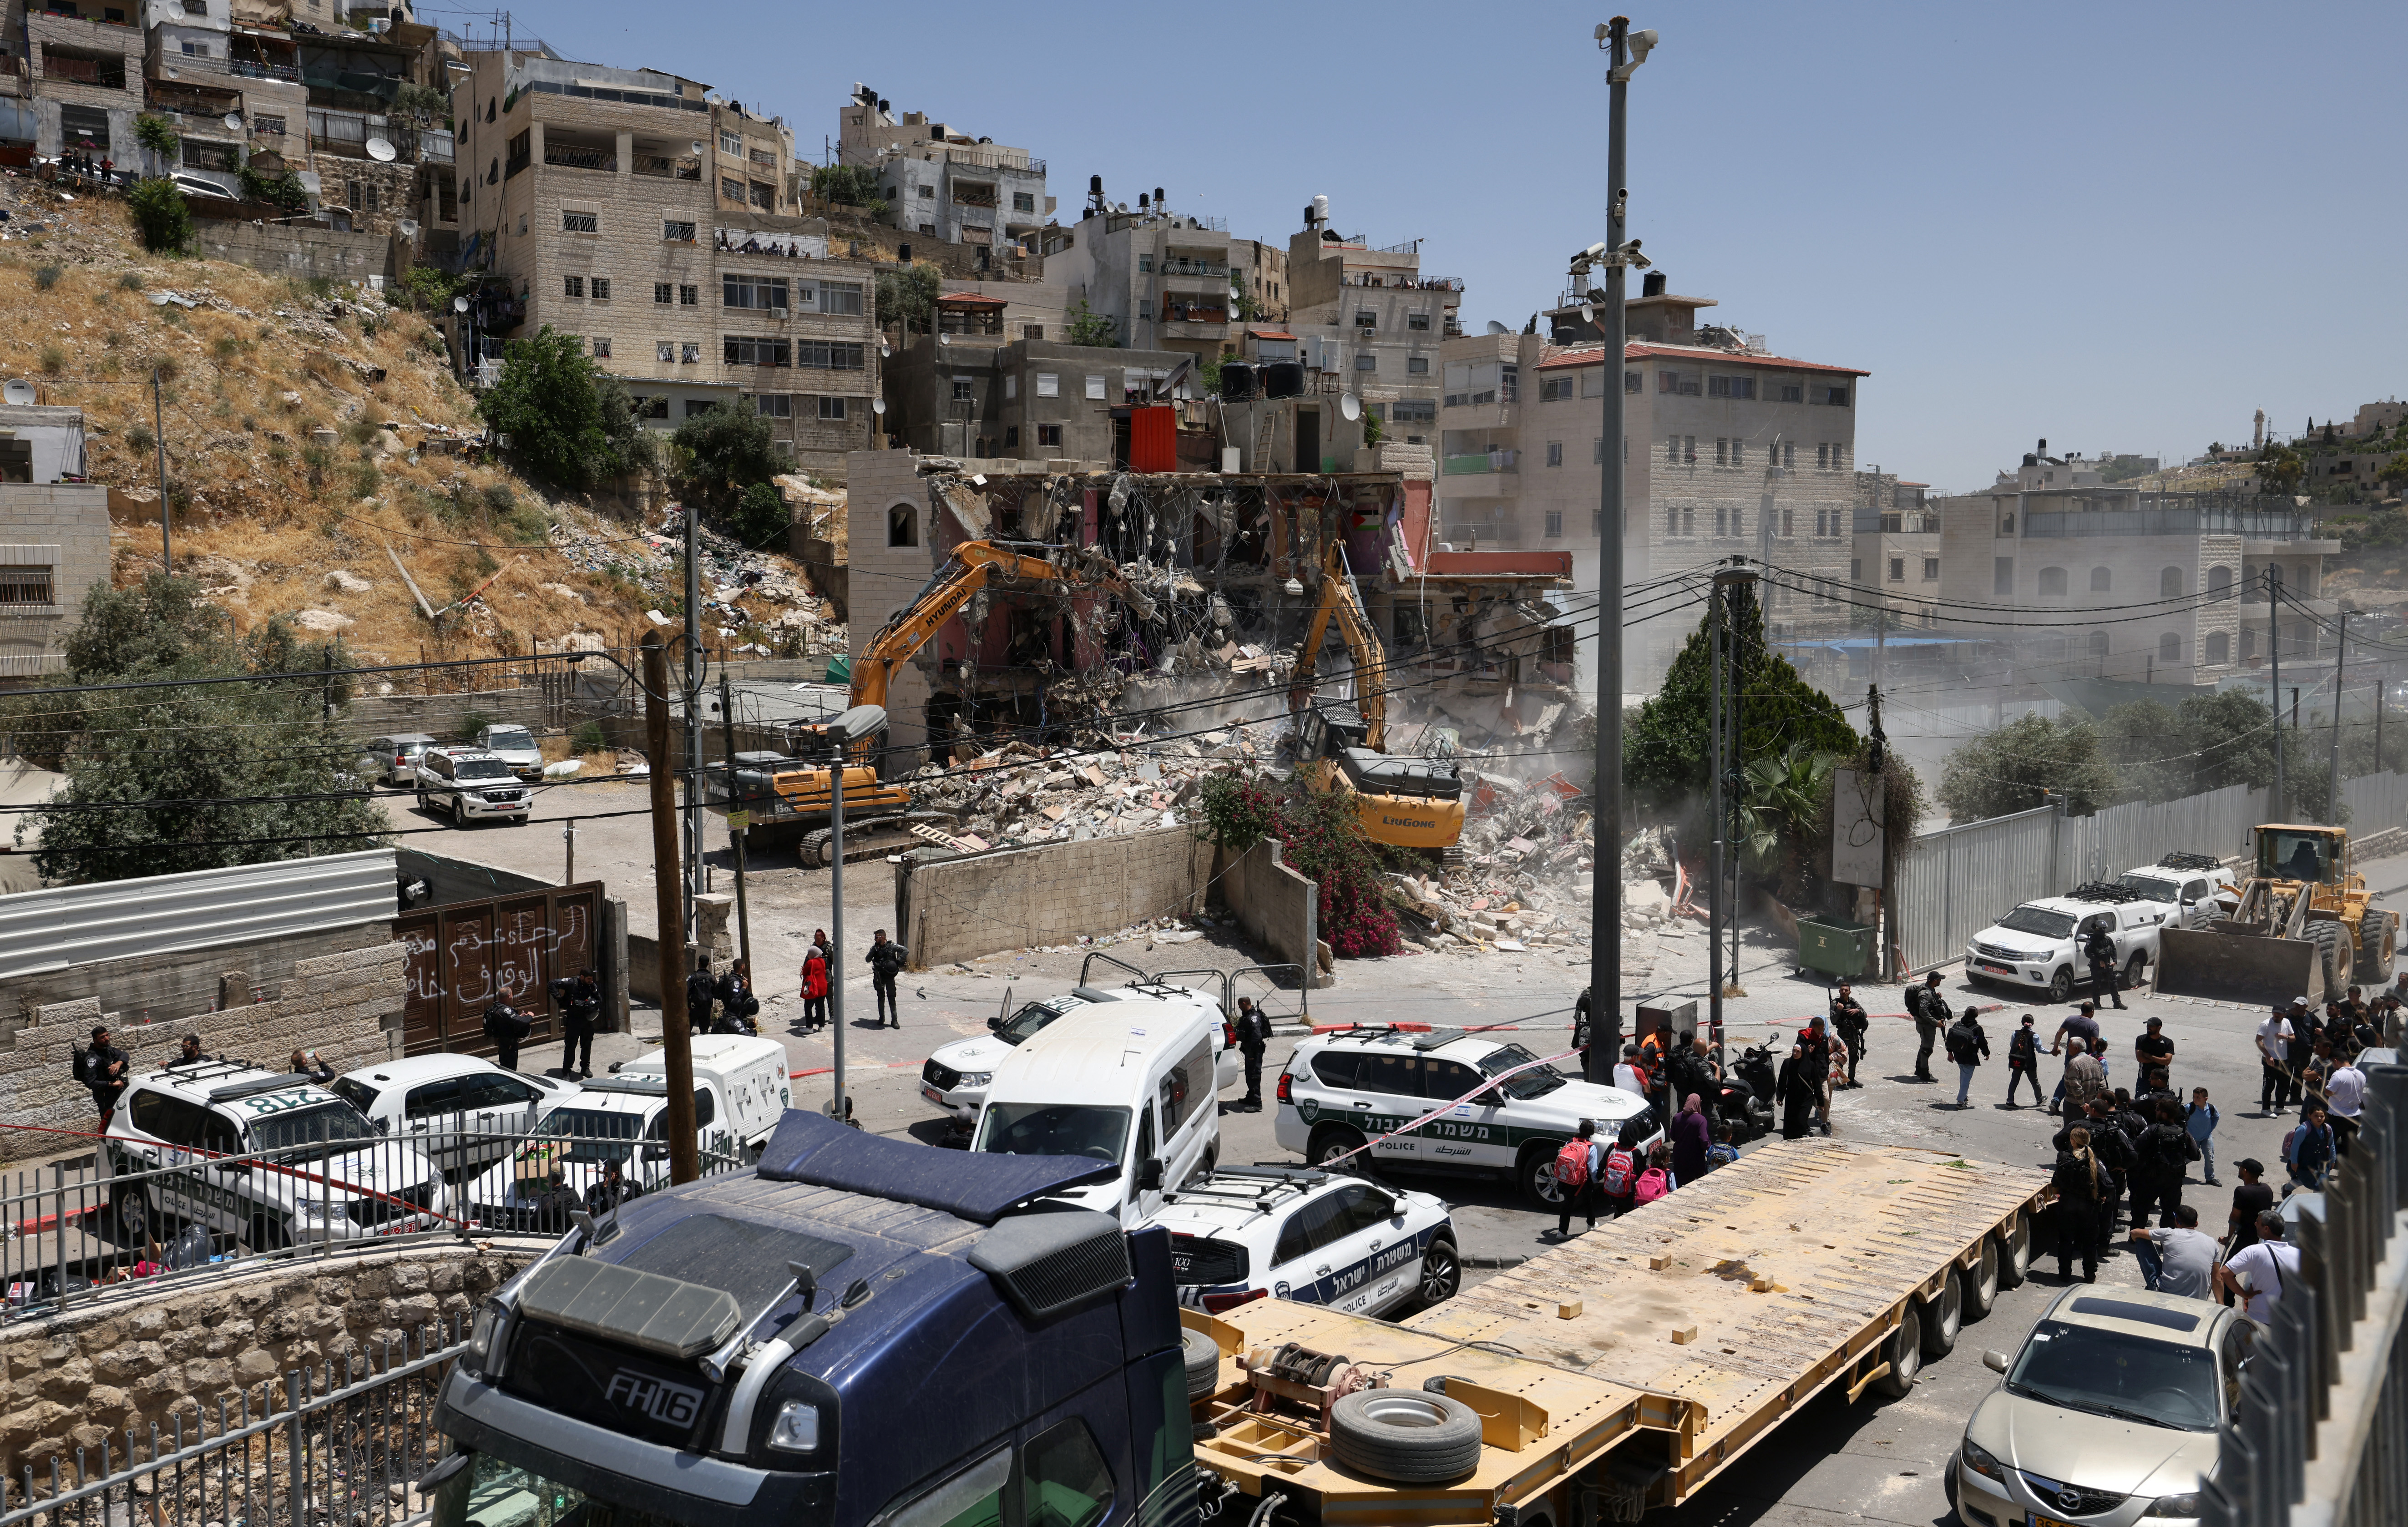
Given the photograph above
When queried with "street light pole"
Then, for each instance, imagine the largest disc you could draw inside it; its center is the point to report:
(692, 772)
(1605, 903)
(2341, 660)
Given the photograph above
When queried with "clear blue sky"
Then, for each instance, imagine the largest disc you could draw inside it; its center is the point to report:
(2122, 226)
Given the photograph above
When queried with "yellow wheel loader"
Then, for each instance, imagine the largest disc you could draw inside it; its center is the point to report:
(2301, 927)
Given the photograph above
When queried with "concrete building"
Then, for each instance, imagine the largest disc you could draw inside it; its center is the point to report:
(617, 205)
(53, 537)
(83, 62)
(979, 395)
(1258, 274)
(1160, 278)
(1369, 322)
(1731, 450)
(1894, 563)
(2173, 582)
(941, 184)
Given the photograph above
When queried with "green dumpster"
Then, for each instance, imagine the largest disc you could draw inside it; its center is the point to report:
(1835, 946)
(839, 671)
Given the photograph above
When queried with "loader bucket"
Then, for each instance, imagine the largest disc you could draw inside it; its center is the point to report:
(2247, 968)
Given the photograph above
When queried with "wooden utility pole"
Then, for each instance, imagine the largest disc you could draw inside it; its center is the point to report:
(669, 902)
(736, 813)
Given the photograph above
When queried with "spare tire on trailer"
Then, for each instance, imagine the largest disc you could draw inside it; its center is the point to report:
(1404, 1436)
(1203, 1355)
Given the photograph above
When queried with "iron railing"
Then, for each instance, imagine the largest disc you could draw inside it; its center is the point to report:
(75, 1236)
(2254, 524)
(2316, 1439)
(318, 1448)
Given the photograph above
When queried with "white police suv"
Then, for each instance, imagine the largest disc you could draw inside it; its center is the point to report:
(273, 1159)
(1246, 1233)
(2042, 945)
(1342, 1089)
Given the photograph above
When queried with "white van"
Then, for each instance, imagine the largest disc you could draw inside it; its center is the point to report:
(740, 1091)
(957, 1076)
(1127, 1082)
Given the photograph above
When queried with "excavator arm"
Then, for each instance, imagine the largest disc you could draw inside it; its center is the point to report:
(971, 569)
(1340, 602)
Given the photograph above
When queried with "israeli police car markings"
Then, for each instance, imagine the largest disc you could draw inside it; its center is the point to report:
(1317, 1238)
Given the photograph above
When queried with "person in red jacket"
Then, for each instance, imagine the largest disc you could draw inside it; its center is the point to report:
(815, 982)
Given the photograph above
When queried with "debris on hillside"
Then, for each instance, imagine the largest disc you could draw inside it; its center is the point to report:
(1022, 795)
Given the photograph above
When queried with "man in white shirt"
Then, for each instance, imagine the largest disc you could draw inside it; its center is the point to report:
(2344, 1090)
(1625, 1073)
(2273, 1264)
(2274, 1059)
(2178, 1259)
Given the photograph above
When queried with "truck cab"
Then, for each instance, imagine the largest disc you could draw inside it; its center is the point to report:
(843, 1336)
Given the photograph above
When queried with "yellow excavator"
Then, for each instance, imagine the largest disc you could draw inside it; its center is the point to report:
(785, 799)
(1407, 803)
(2301, 927)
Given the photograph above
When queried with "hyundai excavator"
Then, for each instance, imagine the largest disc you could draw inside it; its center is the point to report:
(1406, 802)
(787, 799)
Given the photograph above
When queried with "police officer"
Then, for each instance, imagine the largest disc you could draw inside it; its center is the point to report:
(1929, 1009)
(1849, 1017)
(1254, 1033)
(505, 1026)
(102, 1070)
(701, 992)
(2099, 950)
(580, 1004)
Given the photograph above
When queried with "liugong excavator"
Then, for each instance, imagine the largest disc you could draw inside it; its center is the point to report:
(787, 800)
(1407, 803)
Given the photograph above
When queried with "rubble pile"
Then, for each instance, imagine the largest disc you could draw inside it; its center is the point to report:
(1025, 795)
(761, 603)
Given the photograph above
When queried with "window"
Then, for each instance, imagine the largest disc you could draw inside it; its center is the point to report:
(832, 409)
(1032, 331)
(691, 354)
(1416, 365)
(841, 299)
(2170, 583)
(2170, 648)
(1010, 436)
(1366, 360)
(1417, 322)
(823, 355)
(1050, 435)
(1049, 384)
(1897, 569)
(1793, 392)
(773, 406)
(664, 350)
(2052, 583)
(2102, 580)
(267, 123)
(1024, 201)
(902, 525)
(2219, 583)
(2219, 647)
(661, 290)
(1722, 451)
(580, 223)
(1413, 412)
(689, 296)
(676, 233)
(1856, 569)
(963, 390)
(927, 193)
(1689, 522)
(1554, 525)
(1689, 449)
(26, 584)
(601, 288)
(1554, 453)
(1836, 396)
(1931, 569)
(196, 50)
(1366, 318)
(763, 197)
(1822, 458)
(1509, 384)
(731, 188)
(758, 293)
(1731, 387)
(1011, 385)
(601, 348)
(1723, 526)
(731, 143)
(1556, 389)
(2002, 574)
(1144, 264)
(2099, 644)
(573, 285)
(2248, 642)
(1672, 451)
(1094, 386)
(756, 350)
(1186, 1086)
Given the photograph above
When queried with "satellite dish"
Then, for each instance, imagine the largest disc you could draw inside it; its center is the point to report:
(1349, 405)
(380, 151)
(20, 392)
(698, 148)
(459, 305)
(1495, 327)
(408, 228)
(877, 405)
(232, 120)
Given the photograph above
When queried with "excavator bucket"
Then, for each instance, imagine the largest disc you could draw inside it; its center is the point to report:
(2247, 968)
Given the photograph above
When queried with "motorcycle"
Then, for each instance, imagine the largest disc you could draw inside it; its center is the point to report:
(1744, 1099)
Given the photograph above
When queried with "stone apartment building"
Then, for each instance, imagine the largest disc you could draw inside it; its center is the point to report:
(944, 185)
(1366, 319)
(2063, 549)
(233, 92)
(627, 206)
(82, 79)
(1894, 563)
(54, 539)
(1161, 279)
(1729, 450)
(987, 397)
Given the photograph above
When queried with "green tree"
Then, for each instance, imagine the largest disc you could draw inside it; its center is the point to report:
(848, 185)
(420, 103)
(550, 402)
(761, 516)
(726, 450)
(2280, 469)
(2149, 747)
(2012, 767)
(158, 135)
(1781, 796)
(907, 294)
(1089, 327)
(1375, 429)
(161, 213)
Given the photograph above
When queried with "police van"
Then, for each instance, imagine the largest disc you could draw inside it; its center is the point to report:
(956, 1077)
(1341, 1091)
(269, 1157)
(1247, 1232)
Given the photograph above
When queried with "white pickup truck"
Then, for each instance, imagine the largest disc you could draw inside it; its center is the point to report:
(2038, 946)
(2191, 883)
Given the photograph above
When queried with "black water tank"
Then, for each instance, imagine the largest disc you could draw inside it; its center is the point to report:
(1095, 188)
(1281, 379)
(1237, 379)
(1653, 286)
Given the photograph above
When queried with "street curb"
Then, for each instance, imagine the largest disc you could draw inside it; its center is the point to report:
(1494, 1261)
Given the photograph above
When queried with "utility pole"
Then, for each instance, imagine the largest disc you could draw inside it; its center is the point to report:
(1605, 902)
(158, 435)
(735, 805)
(1876, 755)
(1741, 582)
(1714, 768)
(2340, 658)
(2274, 690)
(693, 754)
(677, 1035)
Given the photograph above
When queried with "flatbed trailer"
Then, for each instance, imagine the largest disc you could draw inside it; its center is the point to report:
(1650, 1354)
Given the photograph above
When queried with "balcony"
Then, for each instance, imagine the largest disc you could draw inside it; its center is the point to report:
(1477, 462)
(2254, 524)
(1175, 310)
(572, 155)
(99, 73)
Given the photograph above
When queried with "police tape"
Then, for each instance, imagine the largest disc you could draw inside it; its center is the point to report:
(1439, 1112)
(200, 1155)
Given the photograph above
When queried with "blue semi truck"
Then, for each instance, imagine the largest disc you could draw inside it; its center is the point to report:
(862, 1331)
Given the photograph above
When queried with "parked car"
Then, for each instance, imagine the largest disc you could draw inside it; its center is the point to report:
(2193, 884)
(2108, 1413)
(1247, 1232)
(515, 746)
(464, 1110)
(192, 185)
(1342, 1089)
(395, 759)
(957, 1076)
(2038, 946)
(471, 785)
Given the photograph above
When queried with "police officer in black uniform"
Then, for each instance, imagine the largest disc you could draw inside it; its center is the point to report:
(1254, 1033)
(580, 1004)
(1848, 1016)
(701, 992)
(2099, 950)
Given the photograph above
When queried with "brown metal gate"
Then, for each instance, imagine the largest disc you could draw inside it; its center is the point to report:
(464, 957)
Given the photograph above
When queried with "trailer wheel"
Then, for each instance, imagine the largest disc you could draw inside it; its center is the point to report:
(2060, 986)
(1981, 1281)
(1941, 1316)
(1904, 1352)
(1406, 1437)
(2015, 1246)
(1203, 1356)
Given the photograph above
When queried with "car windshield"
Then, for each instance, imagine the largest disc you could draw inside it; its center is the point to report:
(1054, 1129)
(483, 768)
(2294, 856)
(359, 1095)
(2151, 887)
(332, 1122)
(2111, 1373)
(1024, 1024)
(2039, 919)
(594, 1135)
(1535, 1083)
(494, 1493)
(510, 737)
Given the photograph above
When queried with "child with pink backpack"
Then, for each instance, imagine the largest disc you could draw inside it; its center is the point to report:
(1657, 1180)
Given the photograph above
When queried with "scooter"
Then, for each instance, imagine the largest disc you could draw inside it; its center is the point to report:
(1745, 1098)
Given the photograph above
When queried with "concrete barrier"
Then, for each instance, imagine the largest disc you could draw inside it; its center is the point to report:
(959, 908)
(1275, 905)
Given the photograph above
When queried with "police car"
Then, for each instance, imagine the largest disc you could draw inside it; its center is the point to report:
(956, 1077)
(272, 1158)
(1246, 1233)
(1342, 1089)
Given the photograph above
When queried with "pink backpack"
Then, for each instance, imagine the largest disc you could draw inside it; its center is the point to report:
(1571, 1164)
(1654, 1183)
(1616, 1177)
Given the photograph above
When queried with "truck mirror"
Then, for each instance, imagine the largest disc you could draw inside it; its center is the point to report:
(657, 1151)
(1149, 1175)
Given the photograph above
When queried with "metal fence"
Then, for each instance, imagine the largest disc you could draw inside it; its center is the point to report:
(1958, 880)
(2101, 847)
(307, 1183)
(2376, 801)
(310, 1450)
(2316, 1438)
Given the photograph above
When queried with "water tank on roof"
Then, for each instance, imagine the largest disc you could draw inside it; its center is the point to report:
(1653, 284)
(1237, 379)
(1281, 379)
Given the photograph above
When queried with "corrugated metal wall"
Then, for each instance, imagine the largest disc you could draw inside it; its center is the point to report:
(2103, 847)
(56, 928)
(2376, 801)
(1959, 881)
